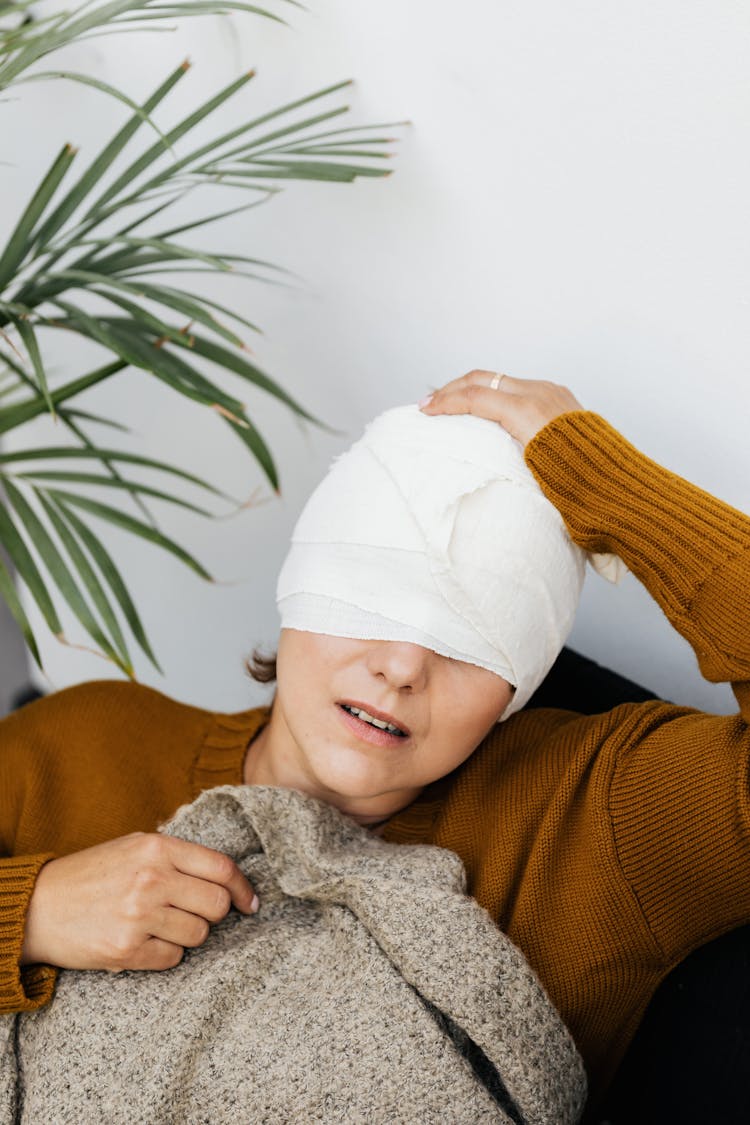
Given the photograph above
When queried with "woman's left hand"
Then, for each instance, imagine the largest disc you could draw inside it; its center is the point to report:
(521, 406)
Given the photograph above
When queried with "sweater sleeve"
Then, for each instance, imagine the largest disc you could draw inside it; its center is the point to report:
(87, 764)
(21, 989)
(678, 797)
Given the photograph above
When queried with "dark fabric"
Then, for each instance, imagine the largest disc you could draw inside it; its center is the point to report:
(576, 683)
(689, 1063)
(26, 695)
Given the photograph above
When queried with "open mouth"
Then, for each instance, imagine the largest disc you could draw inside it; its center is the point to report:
(373, 721)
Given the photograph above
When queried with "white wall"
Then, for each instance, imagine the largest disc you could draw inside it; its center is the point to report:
(570, 202)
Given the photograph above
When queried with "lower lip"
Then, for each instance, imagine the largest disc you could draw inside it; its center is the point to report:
(368, 733)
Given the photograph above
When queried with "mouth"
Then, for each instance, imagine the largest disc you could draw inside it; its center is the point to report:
(372, 725)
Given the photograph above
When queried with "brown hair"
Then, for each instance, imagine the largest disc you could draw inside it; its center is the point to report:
(261, 667)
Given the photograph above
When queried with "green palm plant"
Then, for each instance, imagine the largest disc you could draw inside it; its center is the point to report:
(106, 235)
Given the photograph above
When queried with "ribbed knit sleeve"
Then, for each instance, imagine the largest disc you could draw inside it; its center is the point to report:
(690, 550)
(88, 764)
(21, 990)
(678, 797)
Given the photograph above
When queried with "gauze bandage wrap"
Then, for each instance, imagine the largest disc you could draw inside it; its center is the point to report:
(433, 530)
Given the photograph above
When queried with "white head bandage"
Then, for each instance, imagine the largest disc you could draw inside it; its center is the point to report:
(433, 530)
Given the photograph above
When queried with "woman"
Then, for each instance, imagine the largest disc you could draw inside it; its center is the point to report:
(607, 847)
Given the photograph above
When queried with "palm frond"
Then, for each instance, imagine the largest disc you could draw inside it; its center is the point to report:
(26, 39)
(112, 238)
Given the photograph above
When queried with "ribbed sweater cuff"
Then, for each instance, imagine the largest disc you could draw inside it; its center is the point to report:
(613, 498)
(21, 989)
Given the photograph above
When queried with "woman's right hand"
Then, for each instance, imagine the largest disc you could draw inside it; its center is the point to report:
(521, 406)
(132, 903)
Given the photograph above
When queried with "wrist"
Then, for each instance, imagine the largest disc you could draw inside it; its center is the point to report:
(33, 947)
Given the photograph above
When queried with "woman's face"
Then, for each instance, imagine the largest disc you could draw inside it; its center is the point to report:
(442, 708)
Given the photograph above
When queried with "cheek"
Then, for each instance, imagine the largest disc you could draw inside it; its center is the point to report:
(469, 707)
(302, 666)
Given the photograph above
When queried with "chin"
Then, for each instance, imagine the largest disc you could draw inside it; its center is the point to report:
(352, 787)
(355, 780)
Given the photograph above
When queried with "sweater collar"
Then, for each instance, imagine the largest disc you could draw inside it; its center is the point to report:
(222, 755)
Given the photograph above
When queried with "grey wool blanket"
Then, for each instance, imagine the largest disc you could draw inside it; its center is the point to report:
(368, 988)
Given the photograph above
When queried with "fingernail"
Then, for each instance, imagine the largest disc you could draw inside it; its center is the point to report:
(254, 905)
(426, 401)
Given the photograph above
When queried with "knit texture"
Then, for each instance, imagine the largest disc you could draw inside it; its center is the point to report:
(337, 1002)
(607, 846)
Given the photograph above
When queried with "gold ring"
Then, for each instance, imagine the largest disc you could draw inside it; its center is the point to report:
(496, 381)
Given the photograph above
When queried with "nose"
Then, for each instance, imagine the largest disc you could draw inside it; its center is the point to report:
(403, 665)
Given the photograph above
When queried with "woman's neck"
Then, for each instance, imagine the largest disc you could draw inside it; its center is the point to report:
(267, 762)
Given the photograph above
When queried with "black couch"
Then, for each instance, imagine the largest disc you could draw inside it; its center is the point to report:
(689, 1063)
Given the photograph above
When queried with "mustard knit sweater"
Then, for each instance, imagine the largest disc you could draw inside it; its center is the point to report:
(607, 847)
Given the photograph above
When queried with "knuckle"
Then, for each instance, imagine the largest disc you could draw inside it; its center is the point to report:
(473, 391)
(172, 958)
(145, 881)
(120, 953)
(151, 847)
(140, 895)
(131, 908)
(224, 867)
(221, 905)
(162, 956)
(199, 931)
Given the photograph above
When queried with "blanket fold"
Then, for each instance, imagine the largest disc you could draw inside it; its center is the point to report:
(368, 988)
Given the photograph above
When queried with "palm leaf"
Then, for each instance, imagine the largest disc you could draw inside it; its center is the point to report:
(27, 334)
(214, 145)
(173, 299)
(95, 84)
(108, 155)
(195, 223)
(294, 128)
(66, 452)
(134, 526)
(30, 42)
(327, 150)
(113, 578)
(310, 170)
(60, 244)
(62, 476)
(22, 560)
(250, 437)
(75, 429)
(230, 361)
(8, 592)
(167, 251)
(12, 416)
(114, 645)
(21, 239)
(151, 154)
(127, 339)
(99, 419)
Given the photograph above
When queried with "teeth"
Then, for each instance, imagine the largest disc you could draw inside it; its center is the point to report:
(367, 718)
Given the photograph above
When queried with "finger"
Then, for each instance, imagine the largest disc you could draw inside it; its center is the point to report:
(472, 398)
(215, 867)
(480, 376)
(476, 375)
(179, 927)
(523, 409)
(199, 896)
(157, 955)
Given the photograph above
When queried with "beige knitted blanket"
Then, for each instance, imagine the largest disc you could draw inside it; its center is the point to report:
(368, 988)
